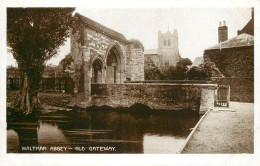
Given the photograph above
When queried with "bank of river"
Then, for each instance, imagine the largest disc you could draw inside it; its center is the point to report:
(225, 130)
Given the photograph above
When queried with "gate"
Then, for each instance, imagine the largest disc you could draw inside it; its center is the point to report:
(222, 96)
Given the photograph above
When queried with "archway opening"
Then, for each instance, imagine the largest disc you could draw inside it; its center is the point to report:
(97, 71)
(113, 66)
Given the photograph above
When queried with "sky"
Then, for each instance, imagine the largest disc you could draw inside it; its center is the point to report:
(197, 27)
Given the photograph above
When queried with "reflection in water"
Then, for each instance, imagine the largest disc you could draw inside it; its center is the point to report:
(103, 132)
(50, 134)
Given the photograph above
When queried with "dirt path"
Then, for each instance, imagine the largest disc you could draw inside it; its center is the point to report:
(225, 131)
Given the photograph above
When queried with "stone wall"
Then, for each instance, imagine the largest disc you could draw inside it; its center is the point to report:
(89, 45)
(241, 89)
(157, 96)
(134, 64)
(233, 62)
(237, 65)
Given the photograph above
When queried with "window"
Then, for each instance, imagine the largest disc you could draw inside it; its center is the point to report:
(169, 42)
(165, 42)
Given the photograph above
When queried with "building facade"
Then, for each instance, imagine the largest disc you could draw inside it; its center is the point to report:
(235, 60)
(102, 55)
(167, 53)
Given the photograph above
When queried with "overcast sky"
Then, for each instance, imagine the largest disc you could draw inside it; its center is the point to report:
(197, 27)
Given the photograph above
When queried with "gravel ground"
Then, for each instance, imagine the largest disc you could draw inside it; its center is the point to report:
(225, 130)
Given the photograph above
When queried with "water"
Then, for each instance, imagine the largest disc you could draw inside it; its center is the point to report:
(100, 132)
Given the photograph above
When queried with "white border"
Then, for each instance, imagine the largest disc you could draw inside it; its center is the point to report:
(123, 159)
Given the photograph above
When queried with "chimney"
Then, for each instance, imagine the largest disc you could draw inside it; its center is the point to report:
(252, 13)
(222, 32)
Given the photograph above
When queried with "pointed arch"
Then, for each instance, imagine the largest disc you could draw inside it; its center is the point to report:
(114, 61)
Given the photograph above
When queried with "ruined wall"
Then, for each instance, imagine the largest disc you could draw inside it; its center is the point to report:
(88, 45)
(134, 64)
(97, 45)
(156, 96)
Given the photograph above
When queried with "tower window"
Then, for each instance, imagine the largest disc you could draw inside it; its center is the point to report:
(165, 42)
(169, 42)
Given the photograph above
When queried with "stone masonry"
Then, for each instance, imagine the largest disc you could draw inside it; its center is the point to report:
(102, 55)
(169, 96)
(135, 64)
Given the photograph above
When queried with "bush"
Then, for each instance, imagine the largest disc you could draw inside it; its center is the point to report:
(196, 73)
(136, 43)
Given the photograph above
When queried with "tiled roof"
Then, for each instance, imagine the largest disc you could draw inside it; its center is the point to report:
(102, 29)
(150, 51)
(241, 40)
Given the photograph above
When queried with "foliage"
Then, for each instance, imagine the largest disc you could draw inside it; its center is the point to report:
(196, 73)
(184, 62)
(210, 69)
(151, 71)
(179, 71)
(34, 36)
(65, 68)
(169, 73)
(136, 43)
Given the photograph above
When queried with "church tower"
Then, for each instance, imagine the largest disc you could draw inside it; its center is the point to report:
(168, 48)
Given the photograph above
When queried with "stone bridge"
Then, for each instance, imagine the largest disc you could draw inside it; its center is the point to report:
(195, 97)
(103, 60)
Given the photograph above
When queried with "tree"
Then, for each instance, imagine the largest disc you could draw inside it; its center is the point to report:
(169, 73)
(65, 68)
(151, 71)
(178, 72)
(34, 36)
(210, 69)
(196, 73)
(184, 62)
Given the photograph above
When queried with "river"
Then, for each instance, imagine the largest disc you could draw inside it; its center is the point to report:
(100, 132)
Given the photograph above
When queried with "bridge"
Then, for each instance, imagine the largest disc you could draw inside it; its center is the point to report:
(110, 71)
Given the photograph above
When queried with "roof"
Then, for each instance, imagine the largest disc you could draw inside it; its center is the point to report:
(248, 28)
(198, 60)
(150, 51)
(241, 40)
(101, 28)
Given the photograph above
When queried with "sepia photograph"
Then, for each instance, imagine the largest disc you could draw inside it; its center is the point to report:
(138, 80)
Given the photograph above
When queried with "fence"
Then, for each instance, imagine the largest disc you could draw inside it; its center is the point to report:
(46, 85)
(12, 83)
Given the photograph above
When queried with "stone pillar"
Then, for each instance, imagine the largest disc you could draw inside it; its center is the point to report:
(207, 98)
(99, 77)
(103, 79)
(87, 71)
(117, 77)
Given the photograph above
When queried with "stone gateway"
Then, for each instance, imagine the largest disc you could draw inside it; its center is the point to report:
(106, 69)
(102, 55)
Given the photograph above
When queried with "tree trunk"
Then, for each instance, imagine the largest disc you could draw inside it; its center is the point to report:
(27, 100)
